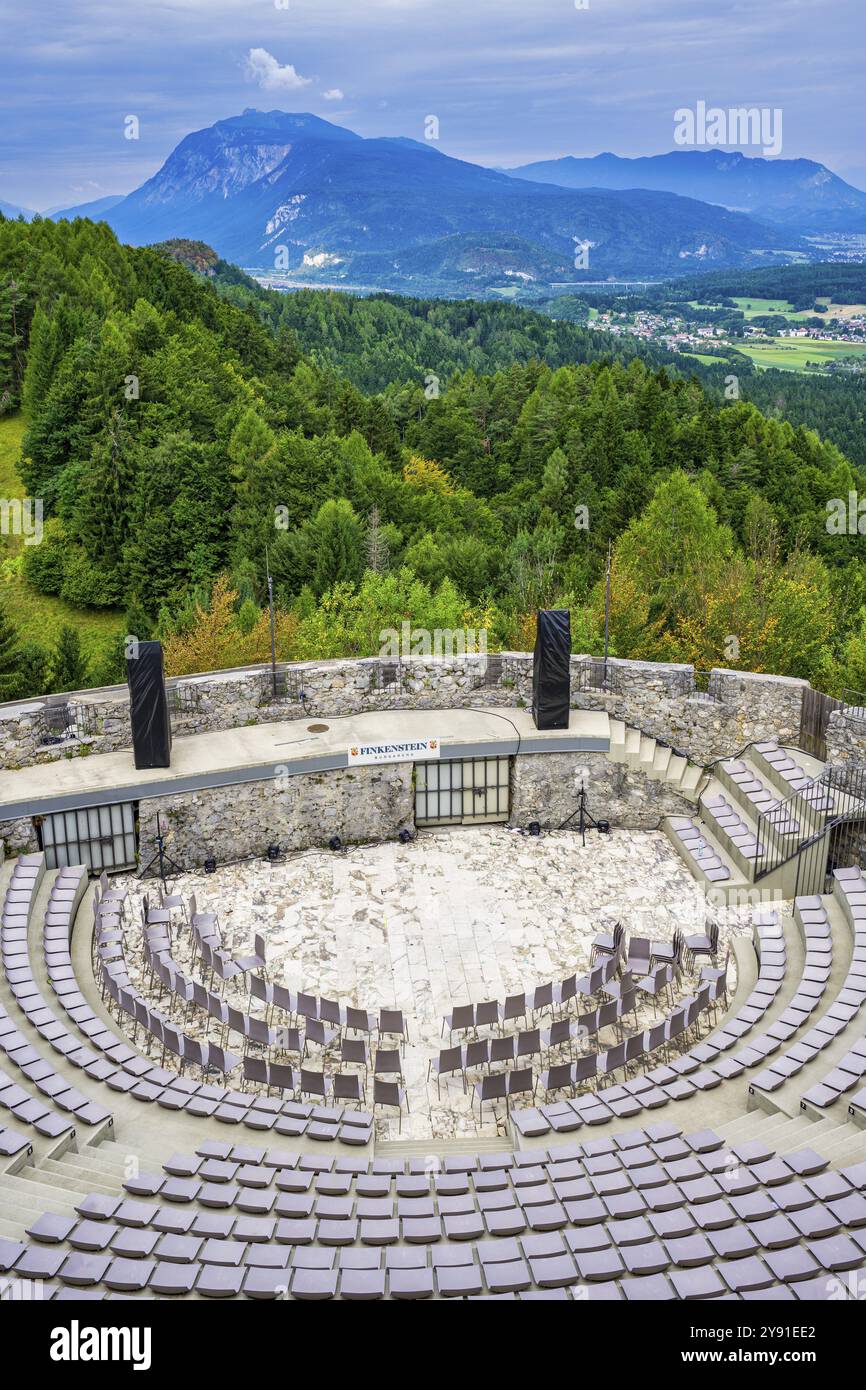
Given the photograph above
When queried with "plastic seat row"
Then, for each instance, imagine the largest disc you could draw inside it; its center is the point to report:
(650, 1214)
(814, 924)
(66, 1103)
(849, 888)
(698, 849)
(760, 797)
(126, 1071)
(703, 1067)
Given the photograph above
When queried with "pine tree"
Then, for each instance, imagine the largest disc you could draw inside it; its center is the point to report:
(10, 658)
(377, 543)
(33, 670)
(339, 545)
(69, 669)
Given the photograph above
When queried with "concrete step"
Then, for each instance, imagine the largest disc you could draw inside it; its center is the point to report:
(416, 1148)
(646, 753)
(77, 1175)
(19, 1197)
(660, 764)
(690, 778)
(750, 1125)
(632, 747)
(75, 1185)
(616, 751)
(676, 767)
(787, 1133)
(99, 1160)
(848, 1147)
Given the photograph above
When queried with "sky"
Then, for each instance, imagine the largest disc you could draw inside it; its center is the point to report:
(508, 80)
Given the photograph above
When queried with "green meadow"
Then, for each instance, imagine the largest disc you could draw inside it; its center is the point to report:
(39, 617)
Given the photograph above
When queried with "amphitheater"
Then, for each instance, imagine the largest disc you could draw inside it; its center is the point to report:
(395, 1021)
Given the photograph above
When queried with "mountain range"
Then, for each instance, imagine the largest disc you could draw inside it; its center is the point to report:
(295, 195)
(12, 211)
(797, 194)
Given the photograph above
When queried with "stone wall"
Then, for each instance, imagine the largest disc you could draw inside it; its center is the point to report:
(545, 787)
(375, 803)
(656, 698)
(18, 836)
(361, 805)
(741, 707)
(846, 738)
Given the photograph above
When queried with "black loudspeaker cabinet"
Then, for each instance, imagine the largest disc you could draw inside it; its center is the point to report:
(551, 690)
(148, 706)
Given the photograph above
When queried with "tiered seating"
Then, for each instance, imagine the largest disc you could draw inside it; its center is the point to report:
(104, 1056)
(759, 796)
(694, 845)
(792, 777)
(35, 1068)
(652, 1214)
(849, 888)
(811, 915)
(725, 816)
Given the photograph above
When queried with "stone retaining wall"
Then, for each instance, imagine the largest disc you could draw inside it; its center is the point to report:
(546, 786)
(371, 804)
(655, 698)
(846, 738)
(360, 805)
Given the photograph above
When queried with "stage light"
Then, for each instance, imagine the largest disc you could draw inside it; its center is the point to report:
(405, 837)
(210, 865)
(274, 853)
(603, 827)
(335, 842)
(534, 828)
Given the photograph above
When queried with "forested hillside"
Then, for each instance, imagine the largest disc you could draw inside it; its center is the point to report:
(176, 436)
(382, 340)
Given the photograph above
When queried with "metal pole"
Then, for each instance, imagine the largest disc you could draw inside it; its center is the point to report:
(607, 612)
(273, 630)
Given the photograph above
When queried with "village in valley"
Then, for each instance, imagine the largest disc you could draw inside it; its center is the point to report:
(830, 338)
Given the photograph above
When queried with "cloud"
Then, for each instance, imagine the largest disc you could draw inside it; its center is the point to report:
(262, 68)
(334, 94)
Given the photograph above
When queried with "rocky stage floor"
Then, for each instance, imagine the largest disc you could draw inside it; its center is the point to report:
(456, 916)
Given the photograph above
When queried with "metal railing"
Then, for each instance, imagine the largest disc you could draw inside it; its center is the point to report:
(696, 684)
(792, 826)
(62, 719)
(853, 706)
(597, 675)
(283, 685)
(182, 699)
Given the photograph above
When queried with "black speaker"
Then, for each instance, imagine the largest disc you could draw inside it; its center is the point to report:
(148, 706)
(551, 689)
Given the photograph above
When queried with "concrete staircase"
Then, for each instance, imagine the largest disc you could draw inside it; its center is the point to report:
(753, 814)
(655, 760)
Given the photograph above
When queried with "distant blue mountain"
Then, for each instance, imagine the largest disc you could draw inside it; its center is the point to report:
(95, 210)
(294, 192)
(795, 193)
(10, 210)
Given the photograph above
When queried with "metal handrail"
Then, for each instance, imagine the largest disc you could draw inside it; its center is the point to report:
(833, 780)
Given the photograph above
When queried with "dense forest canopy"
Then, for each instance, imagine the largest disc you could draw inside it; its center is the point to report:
(458, 464)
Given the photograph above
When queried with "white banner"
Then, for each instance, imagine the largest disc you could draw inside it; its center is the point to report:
(422, 750)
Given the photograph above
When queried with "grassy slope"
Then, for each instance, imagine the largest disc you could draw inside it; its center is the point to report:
(792, 354)
(39, 617)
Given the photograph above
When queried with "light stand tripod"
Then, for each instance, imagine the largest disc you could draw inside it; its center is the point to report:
(585, 818)
(164, 860)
